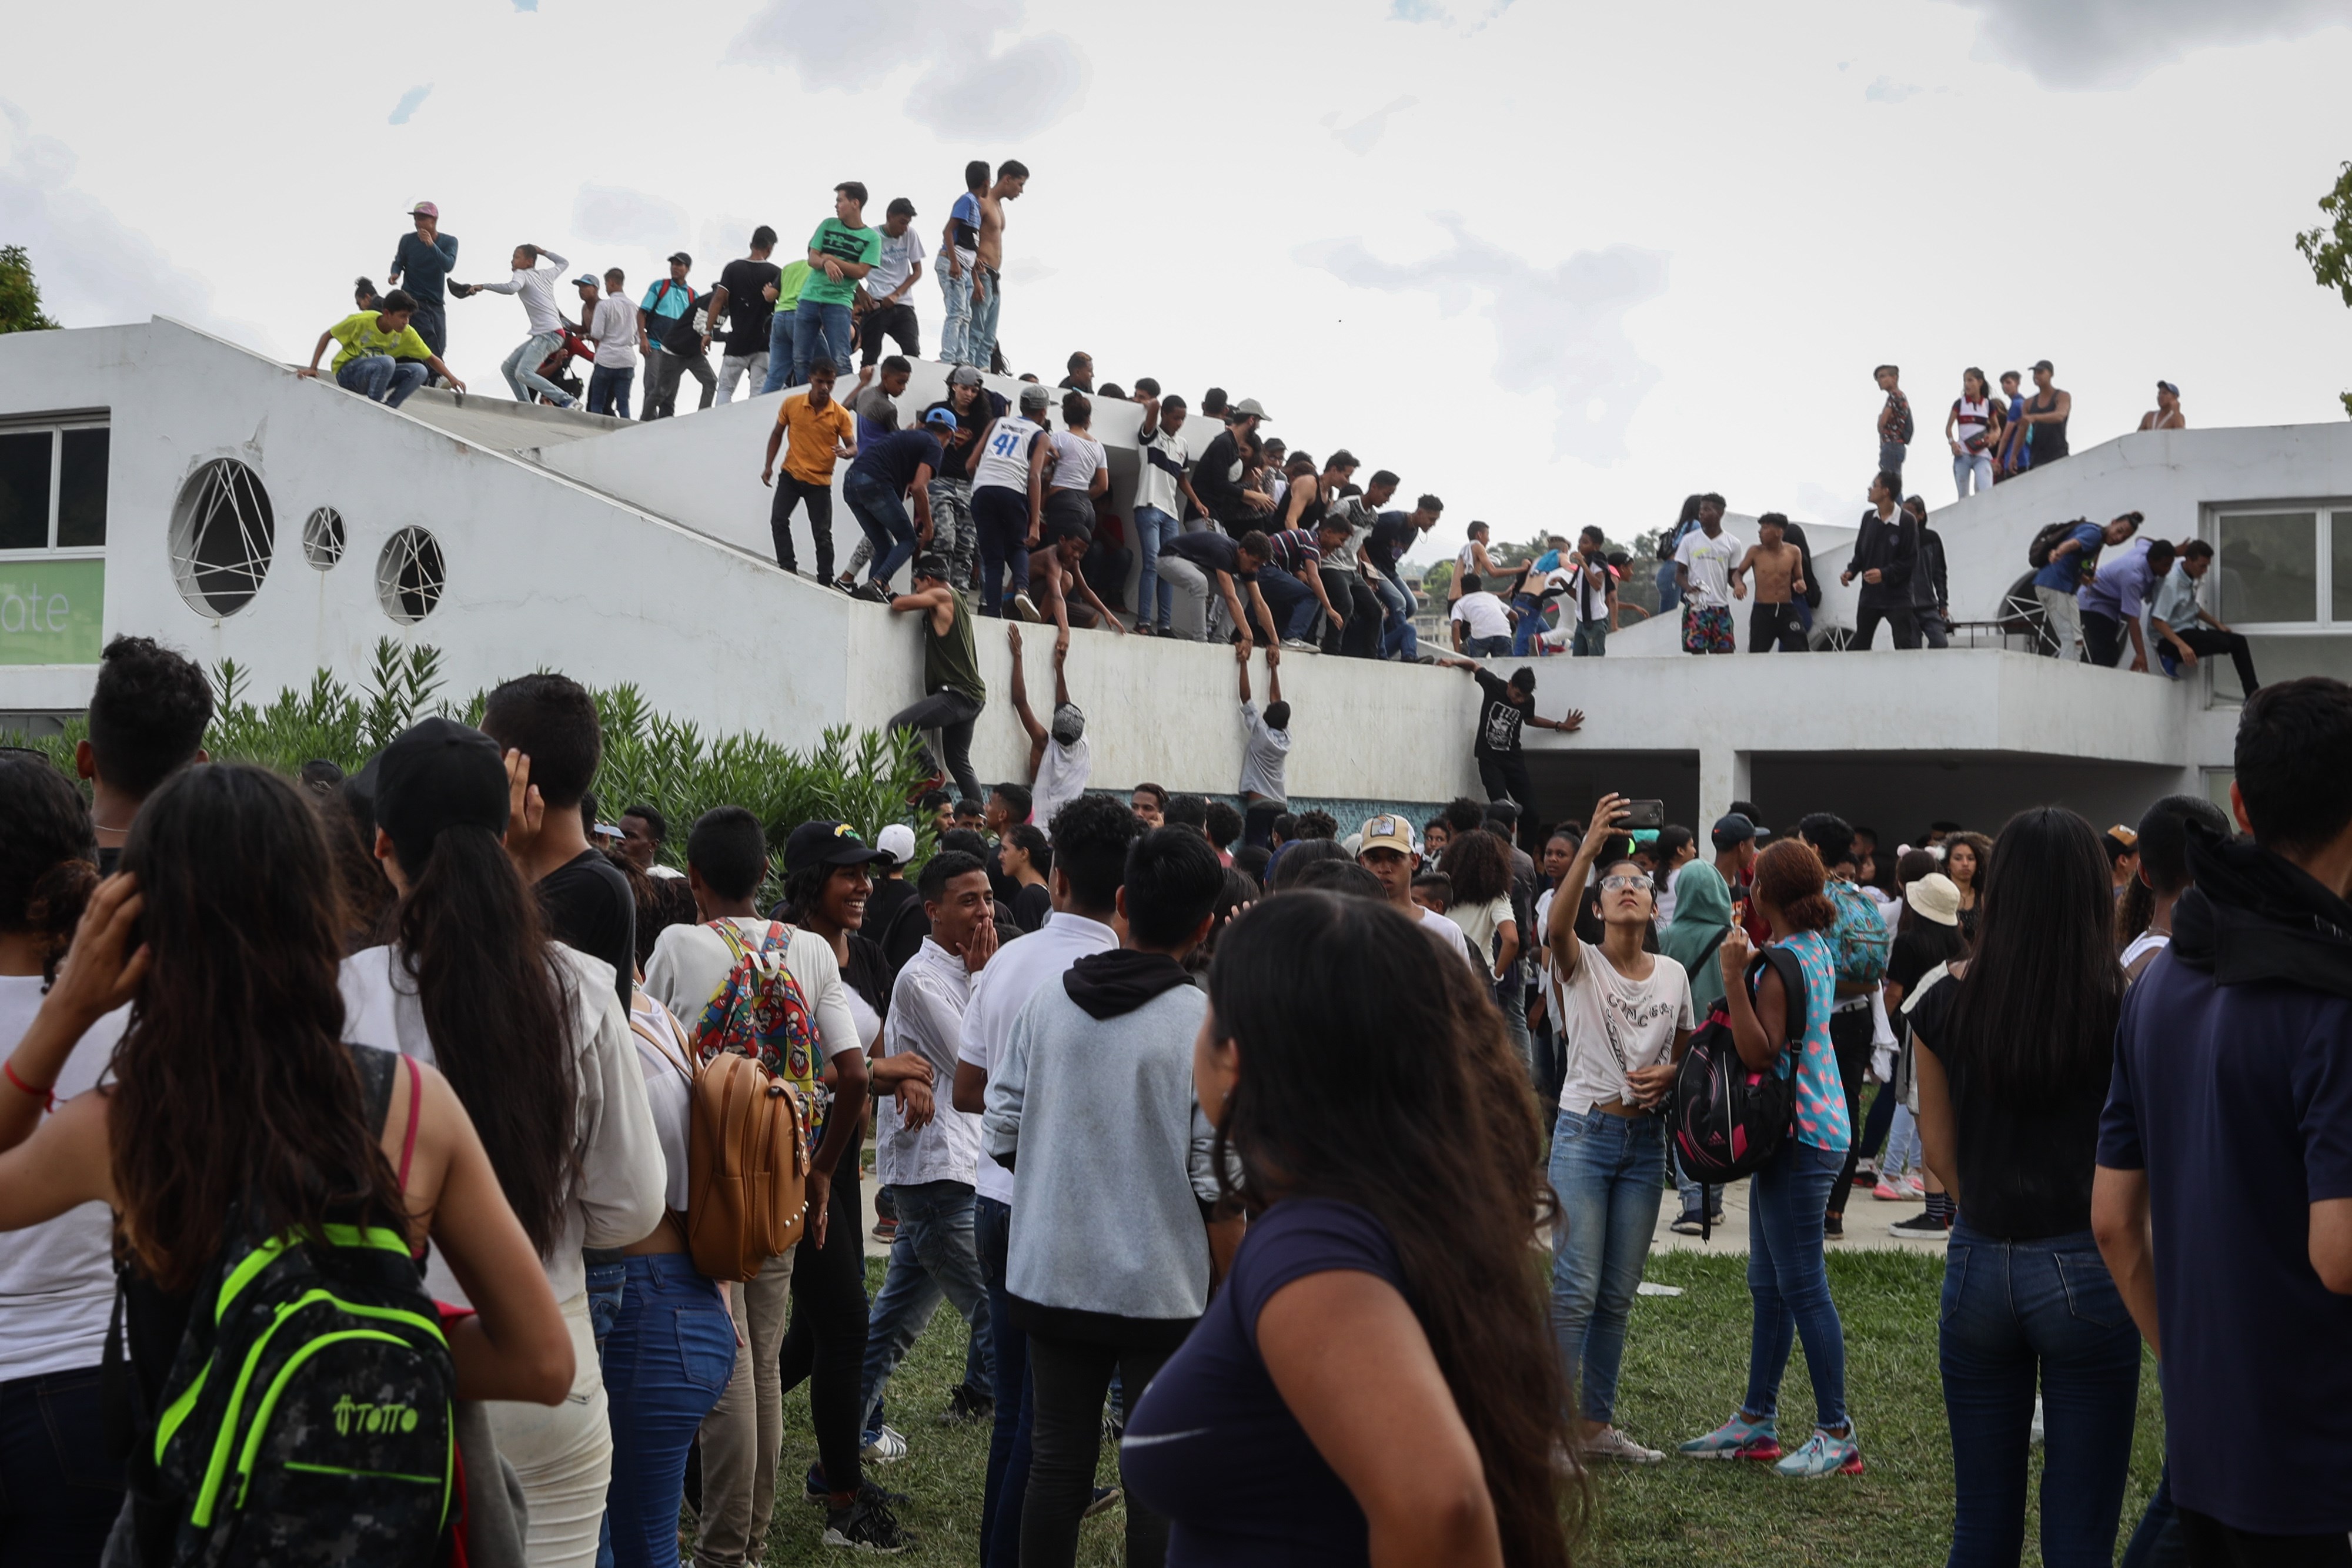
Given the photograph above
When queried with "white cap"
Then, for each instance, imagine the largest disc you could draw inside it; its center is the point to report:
(898, 841)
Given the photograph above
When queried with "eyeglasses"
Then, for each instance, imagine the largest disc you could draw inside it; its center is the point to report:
(1621, 883)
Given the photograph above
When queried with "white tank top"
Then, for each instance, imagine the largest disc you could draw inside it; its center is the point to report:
(1005, 461)
(1975, 415)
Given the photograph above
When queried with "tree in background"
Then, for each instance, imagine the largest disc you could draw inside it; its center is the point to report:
(20, 297)
(2329, 248)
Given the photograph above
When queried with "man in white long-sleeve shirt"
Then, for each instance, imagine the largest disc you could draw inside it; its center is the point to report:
(1091, 837)
(928, 1157)
(536, 284)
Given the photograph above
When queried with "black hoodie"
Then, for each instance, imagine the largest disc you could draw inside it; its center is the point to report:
(2255, 916)
(1111, 985)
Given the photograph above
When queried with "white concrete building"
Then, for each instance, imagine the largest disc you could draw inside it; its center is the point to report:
(155, 479)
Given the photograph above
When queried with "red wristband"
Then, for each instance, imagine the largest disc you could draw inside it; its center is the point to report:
(43, 1095)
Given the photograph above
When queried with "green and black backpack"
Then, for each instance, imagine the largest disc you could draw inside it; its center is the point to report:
(308, 1418)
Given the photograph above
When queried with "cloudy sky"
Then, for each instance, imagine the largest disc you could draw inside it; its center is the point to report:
(1558, 261)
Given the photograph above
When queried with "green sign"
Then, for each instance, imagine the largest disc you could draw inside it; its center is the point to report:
(50, 611)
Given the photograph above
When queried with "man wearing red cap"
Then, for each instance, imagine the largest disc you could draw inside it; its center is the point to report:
(423, 259)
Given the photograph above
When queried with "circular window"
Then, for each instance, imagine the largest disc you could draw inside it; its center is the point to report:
(322, 538)
(222, 536)
(409, 575)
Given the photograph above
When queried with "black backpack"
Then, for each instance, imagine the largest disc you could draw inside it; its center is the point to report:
(2047, 537)
(1726, 1119)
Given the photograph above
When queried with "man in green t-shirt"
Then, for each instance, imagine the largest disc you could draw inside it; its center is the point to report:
(841, 251)
(381, 357)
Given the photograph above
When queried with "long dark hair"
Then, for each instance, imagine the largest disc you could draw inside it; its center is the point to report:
(233, 1085)
(2037, 1005)
(1394, 1089)
(48, 856)
(1480, 866)
(495, 1008)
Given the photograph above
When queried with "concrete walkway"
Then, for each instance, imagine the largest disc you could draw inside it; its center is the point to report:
(1866, 1221)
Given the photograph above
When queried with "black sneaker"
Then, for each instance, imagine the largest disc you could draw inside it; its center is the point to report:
(866, 1525)
(1922, 1228)
(967, 1406)
(1833, 1226)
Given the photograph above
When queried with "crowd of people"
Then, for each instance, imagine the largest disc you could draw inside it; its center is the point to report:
(366, 1172)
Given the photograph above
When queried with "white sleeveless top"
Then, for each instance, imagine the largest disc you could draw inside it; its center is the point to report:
(1975, 416)
(1005, 460)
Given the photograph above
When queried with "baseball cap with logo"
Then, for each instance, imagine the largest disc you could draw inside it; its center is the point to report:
(828, 844)
(425, 210)
(1386, 831)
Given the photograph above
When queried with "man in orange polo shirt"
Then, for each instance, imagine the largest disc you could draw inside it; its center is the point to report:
(821, 432)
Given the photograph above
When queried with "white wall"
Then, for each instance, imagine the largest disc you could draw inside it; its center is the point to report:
(673, 589)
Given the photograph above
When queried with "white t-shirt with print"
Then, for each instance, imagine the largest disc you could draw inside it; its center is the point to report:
(1612, 1025)
(1711, 561)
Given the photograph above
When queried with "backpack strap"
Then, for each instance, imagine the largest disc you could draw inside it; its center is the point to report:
(1792, 985)
(415, 1110)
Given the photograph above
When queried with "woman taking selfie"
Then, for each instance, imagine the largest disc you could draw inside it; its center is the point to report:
(1377, 1352)
(2016, 1050)
(1790, 1195)
(1624, 1016)
(533, 1038)
(232, 1091)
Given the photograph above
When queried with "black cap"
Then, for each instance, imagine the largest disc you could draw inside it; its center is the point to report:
(828, 844)
(1733, 831)
(436, 774)
(932, 565)
(679, 256)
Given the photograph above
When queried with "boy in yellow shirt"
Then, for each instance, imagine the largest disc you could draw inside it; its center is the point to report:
(381, 358)
(821, 432)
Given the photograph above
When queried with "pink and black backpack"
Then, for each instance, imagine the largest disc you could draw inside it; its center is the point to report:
(1727, 1119)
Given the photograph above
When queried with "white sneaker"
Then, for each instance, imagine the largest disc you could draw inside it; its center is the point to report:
(1301, 645)
(1609, 1443)
(888, 1447)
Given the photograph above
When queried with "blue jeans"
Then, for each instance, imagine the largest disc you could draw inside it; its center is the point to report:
(1531, 624)
(60, 1486)
(2014, 1310)
(1485, 647)
(522, 369)
(980, 335)
(1009, 1440)
(608, 1286)
(883, 516)
(385, 380)
(955, 325)
(1605, 1169)
(1788, 1284)
(2158, 1542)
(1589, 640)
(1155, 601)
(820, 332)
(934, 1253)
(667, 1361)
(1290, 602)
(1670, 588)
(783, 328)
(608, 390)
(1398, 639)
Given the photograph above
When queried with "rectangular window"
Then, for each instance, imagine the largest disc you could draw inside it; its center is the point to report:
(53, 484)
(25, 461)
(81, 488)
(2268, 564)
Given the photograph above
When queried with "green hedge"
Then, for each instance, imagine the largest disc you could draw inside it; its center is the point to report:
(649, 758)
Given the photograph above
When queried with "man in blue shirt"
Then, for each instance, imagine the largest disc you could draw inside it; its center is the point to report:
(675, 344)
(2177, 620)
(2222, 1198)
(2114, 599)
(425, 259)
(885, 474)
(2055, 585)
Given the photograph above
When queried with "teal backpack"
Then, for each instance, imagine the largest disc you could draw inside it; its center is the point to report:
(308, 1416)
(1859, 941)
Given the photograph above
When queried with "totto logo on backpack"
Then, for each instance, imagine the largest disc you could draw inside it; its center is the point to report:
(2047, 537)
(755, 1111)
(1726, 1118)
(306, 1418)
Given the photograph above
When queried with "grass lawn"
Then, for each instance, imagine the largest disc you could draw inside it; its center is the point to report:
(1685, 1368)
